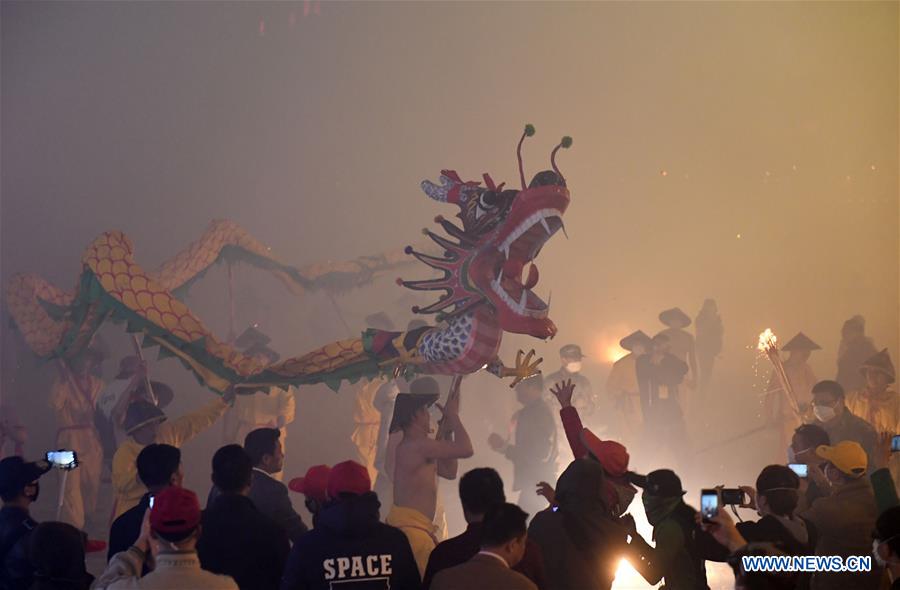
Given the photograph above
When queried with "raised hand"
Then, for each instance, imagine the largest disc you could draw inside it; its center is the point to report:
(563, 392)
(545, 490)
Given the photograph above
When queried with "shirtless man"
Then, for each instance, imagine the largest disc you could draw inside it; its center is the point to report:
(419, 460)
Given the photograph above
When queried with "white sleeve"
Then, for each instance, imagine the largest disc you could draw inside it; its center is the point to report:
(111, 395)
(124, 566)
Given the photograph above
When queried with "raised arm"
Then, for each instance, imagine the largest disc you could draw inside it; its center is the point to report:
(653, 562)
(570, 419)
(458, 448)
(449, 468)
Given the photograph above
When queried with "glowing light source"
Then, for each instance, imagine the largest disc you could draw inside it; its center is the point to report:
(605, 343)
(663, 173)
(767, 341)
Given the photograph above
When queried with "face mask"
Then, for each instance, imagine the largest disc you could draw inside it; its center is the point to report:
(824, 413)
(878, 559)
(573, 367)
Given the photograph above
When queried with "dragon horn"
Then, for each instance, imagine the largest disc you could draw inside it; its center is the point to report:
(529, 131)
(438, 193)
(566, 143)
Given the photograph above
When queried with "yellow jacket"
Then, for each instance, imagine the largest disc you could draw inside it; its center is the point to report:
(882, 412)
(265, 408)
(623, 376)
(128, 488)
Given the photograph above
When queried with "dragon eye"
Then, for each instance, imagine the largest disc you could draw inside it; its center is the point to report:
(488, 200)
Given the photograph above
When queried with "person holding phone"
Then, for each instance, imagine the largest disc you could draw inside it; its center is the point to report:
(682, 548)
(775, 499)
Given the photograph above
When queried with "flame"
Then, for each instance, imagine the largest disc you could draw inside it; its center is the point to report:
(767, 340)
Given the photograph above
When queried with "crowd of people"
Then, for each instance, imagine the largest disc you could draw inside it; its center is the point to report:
(377, 522)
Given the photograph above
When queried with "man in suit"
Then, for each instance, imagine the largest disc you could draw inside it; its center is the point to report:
(502, 547)
(238, 540)
(269, 495)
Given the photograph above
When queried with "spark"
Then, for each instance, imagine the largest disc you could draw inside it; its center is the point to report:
(663, 173)
(767, 340)
(739, 236)
(872, 167)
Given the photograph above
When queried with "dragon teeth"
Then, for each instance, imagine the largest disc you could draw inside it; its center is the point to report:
(544, 223)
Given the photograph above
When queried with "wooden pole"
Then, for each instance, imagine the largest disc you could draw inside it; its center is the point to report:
(140, 354)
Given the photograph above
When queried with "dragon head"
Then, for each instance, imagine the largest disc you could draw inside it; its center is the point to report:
(490, 258)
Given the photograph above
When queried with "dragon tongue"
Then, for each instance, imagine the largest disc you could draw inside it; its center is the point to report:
(532, 278)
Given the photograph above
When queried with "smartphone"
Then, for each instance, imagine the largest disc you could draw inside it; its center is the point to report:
(895, 443)
(801, 469)
(709, 503)
(63, 459)
(731, 496)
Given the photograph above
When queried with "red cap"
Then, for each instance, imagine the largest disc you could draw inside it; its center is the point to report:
(94, 546)
(175, 510)
(314, 484)
(613, 457)
(348, 477)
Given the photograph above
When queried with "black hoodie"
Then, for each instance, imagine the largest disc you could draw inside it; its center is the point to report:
(581, 541)
(351, 548)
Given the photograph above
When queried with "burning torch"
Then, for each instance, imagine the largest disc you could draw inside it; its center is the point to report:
(768, 343)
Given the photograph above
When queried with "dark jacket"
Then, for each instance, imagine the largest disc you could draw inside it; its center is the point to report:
(849, 426)
(797, 537)
(770, 529)
(349, 548)
(127, 528)
(15, 568)
(681, 551)
(533, 453)
(271, 498)
(844, 522)
(464, 547)
(580, 542)
(659, 381)
(482, 572)
(239, 541)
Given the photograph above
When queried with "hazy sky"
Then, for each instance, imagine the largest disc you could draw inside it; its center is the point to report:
(154, 118)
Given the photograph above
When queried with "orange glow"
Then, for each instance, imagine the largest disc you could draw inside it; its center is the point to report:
(605, 343)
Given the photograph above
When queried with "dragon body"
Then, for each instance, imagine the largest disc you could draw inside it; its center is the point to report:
(486, 291)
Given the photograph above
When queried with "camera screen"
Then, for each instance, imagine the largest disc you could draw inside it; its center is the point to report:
(709, 503)
(895, 443)
(801, 469)
(62, 459)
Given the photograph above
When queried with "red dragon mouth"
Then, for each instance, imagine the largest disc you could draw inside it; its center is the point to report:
(506, 272)
(518, 251)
